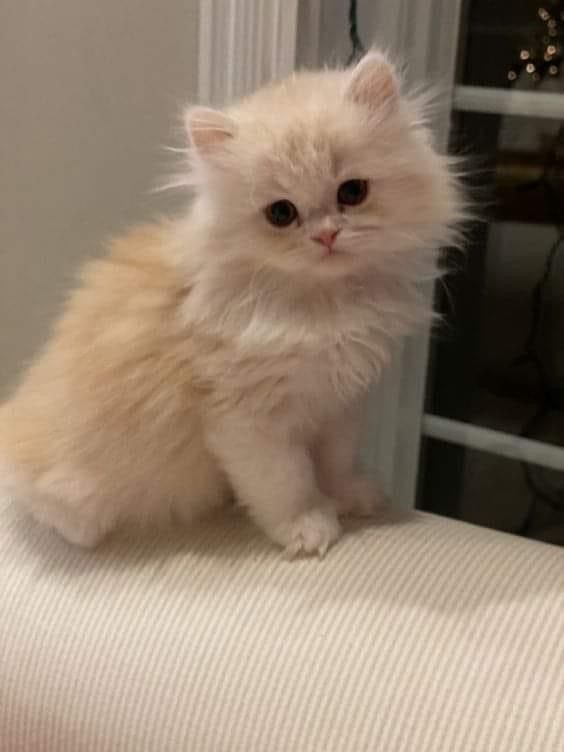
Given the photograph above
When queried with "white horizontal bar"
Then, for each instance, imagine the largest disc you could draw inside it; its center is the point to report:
(539, 104)
(495, 442)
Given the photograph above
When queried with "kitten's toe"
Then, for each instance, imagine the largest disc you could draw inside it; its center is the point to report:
(359, 497)
(313, 532)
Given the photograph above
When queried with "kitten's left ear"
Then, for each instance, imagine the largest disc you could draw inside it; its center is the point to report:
(208, 130)
(374, 82)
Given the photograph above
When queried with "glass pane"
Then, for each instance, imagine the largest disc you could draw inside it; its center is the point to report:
(495, 32)
(497, 492)
(498, 358)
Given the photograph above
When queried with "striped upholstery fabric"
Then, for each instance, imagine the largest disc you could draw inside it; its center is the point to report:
(416, 634)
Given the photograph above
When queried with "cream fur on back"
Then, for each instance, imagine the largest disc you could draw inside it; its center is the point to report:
(218, 327)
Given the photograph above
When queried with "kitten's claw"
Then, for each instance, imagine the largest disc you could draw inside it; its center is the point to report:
(313, 532)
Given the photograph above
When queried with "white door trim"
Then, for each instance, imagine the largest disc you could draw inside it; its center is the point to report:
(243, 44)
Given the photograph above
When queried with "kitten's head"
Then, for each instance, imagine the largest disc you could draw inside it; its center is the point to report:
(323, 175)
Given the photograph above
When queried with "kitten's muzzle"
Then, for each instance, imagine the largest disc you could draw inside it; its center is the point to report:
(326, 238)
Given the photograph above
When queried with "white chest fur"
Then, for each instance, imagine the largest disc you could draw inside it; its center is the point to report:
(302, 384)
(310, 355)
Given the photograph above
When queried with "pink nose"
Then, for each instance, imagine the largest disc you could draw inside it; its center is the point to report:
(326, 237)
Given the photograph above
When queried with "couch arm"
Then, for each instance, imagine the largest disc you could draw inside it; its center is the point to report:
(415, 634)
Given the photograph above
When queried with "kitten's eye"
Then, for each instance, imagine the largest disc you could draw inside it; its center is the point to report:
(352, 192)
(281, 213)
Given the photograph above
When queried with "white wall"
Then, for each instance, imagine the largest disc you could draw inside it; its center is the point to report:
(89, 94)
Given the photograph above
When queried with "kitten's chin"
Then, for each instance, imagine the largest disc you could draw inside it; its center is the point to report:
(337, 264)
(319, 266)
(333, 258)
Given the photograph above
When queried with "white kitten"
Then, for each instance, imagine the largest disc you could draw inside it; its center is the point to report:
(230, 351)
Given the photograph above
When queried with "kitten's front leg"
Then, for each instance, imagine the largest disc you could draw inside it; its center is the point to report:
(275, 480)
(336, 455)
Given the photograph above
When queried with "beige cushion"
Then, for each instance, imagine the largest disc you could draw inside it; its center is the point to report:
(416, 634)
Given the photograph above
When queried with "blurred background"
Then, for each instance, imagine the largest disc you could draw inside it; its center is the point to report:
(470, 421)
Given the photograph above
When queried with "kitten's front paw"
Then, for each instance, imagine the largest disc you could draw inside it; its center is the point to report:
(313, 532)
(358, 497)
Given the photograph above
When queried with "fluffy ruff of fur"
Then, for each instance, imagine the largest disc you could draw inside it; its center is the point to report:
(218, 355)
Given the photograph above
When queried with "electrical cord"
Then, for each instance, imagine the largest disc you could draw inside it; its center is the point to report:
(357, 47)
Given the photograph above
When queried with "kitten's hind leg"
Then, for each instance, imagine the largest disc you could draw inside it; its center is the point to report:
(67, 501)
(59, 499)
(77, 526)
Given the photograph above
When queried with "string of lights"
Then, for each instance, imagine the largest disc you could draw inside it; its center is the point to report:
(543, 56)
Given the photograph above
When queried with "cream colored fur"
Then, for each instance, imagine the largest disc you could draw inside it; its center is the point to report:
(218, 354)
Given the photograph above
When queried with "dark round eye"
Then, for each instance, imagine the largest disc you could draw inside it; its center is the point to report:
(352, 192)
(281, 213)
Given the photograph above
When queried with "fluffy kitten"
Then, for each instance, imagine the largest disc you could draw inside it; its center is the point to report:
(229, 351)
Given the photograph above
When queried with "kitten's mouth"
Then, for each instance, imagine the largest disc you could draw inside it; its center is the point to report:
(331, 254)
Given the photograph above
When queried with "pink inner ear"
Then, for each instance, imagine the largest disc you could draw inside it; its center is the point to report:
(373, 81)
(208, 128)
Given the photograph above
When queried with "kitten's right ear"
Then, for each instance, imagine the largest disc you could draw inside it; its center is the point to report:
(208, 130)
(374, 82)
